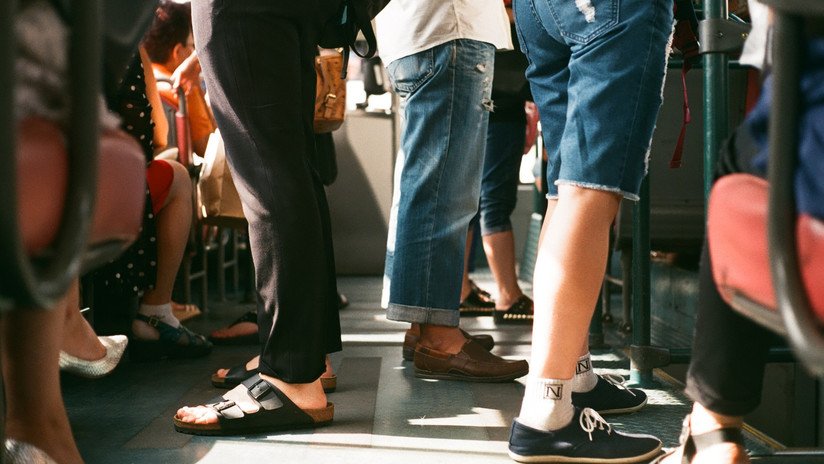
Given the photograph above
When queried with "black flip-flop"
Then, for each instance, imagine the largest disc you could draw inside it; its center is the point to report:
(276, 412)
(248, 339)
(239, 373)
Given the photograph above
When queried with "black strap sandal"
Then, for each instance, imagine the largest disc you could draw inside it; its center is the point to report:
(691, 444)
(248, 339)
(275, 412)
(235, 376)
(478, 303)
(521, 312)
(174, 342)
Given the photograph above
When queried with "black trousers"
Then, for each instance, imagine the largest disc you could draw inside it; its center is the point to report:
(729, 351)
(257, 58)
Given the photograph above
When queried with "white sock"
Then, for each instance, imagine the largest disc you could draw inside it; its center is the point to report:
(585, 378)
(547, 404)
(162, 312)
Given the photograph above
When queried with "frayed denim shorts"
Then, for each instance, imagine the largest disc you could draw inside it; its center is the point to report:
(596, 69)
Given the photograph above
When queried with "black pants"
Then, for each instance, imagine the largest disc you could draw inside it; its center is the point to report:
(257, 58)
(729, 351)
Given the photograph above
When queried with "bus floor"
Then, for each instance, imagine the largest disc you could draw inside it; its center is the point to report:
(383, 413)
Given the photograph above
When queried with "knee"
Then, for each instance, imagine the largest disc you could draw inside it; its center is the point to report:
(181, 181)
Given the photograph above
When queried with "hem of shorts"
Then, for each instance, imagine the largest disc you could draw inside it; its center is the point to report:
(421, 315)
(628, 195)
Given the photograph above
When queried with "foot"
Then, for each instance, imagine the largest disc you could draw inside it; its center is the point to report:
(588, 438)
(79, 339)
(522, 311)
(410, 340)
(154, 339)
(709, 438)
(472, 363)
(114, 346)
(329, 381)
(306, 396)
(476, 301)
(610, 396)
(242, 331)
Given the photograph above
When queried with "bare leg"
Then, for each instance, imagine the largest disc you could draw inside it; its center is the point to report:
(36, 413)
(568, 274)
(79, 339)
(500, 253)
(173, 224)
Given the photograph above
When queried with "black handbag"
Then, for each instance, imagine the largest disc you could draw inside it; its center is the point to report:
(341, 31)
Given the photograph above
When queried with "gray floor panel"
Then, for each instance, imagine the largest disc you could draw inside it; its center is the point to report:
(383, 413)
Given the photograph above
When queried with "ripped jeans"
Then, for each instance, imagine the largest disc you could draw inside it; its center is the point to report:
(445, 103)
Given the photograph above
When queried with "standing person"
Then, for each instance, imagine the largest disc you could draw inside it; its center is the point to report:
(258, 62)
(499, 192)
(596, 76)
(440, 58)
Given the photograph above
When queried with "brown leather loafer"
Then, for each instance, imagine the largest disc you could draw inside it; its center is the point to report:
(473, 364)
(410, 340)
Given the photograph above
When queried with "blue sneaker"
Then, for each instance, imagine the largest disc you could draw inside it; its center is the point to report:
(610, 396)
(587, 439)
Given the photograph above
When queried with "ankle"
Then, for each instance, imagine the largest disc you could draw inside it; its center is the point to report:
(703, 420)
(304, 395)
(442, 338)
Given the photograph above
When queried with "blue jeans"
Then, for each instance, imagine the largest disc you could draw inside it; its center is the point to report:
(445, 96)
(596, 70)
(499, 184)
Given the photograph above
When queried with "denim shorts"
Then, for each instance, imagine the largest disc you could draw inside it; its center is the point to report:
(445, 94)
(596, 69)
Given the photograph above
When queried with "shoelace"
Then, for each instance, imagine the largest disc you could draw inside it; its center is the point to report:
(591, 420)
(618, 381)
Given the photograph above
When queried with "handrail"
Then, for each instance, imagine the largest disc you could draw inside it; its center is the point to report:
(791, 298)
(27, 282)
(184, 141)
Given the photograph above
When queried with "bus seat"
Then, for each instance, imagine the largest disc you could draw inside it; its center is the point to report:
(770, 258)
(737, 225)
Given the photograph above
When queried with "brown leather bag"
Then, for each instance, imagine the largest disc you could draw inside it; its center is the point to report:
(330, 97)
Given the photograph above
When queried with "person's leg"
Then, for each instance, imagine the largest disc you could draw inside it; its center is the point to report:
(726, 372)
(591, 168)
(437, 190)
(174, 216)
(35, 411)
(499, 190)
(79, 339)
(258, 63)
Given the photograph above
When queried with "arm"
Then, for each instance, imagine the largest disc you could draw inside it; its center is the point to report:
(161, 128)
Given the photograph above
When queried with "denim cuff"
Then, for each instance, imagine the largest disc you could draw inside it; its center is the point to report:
(419, 315)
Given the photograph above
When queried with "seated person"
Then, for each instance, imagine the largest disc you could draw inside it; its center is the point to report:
(171, 49)
(725, 376)
(150, 266)
(37, 428)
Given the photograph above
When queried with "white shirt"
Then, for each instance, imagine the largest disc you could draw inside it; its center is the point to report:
(406, 27)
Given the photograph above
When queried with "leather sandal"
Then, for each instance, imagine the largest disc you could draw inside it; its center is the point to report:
(238, 374)
(275, 412)
(478, 303)
(174, 342)
(691, 444)
(247, 339)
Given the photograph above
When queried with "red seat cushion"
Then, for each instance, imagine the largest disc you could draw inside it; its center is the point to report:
(42, 181)
(737, 235)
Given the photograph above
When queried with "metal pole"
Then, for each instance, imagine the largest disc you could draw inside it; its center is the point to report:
(716, 97)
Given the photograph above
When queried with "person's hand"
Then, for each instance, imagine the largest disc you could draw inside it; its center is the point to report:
(187, 74)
